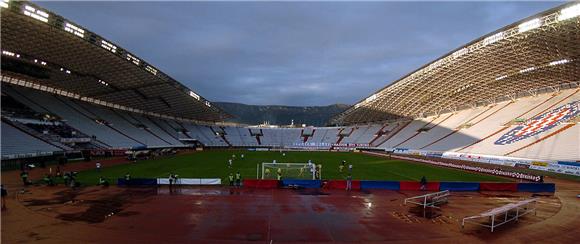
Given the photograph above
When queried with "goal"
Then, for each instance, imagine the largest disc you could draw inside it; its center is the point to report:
(288, 171)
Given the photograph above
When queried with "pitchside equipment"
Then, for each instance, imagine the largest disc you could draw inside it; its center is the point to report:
(510, 212)
(430, 200)
(289, 171)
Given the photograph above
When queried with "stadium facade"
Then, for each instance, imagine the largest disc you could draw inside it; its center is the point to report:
(510, 97)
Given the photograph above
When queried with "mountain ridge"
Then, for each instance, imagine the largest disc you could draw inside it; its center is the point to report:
(281, 114)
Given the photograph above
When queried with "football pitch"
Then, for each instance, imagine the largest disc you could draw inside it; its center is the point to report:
(214, 164)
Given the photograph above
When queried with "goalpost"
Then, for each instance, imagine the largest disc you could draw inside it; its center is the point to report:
(288, 171)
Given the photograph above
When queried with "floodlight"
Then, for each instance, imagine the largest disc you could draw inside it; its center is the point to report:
(35, 13)
(492, 39)
(74, 30)
(194, 95)
(562, 61)
(108, 46)
(569, 12)
(4, 3)
(529, 25)
(151, 70)
(527, 69)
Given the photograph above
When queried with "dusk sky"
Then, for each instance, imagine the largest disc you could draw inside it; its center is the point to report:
(291, 53)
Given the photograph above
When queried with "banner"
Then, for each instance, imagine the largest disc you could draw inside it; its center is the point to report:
(543, 164)
(302, 183)
(190, 181)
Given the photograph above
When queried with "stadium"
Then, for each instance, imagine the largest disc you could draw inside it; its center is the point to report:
(99, 145)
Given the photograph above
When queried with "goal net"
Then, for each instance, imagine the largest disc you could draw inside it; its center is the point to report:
(287, 171)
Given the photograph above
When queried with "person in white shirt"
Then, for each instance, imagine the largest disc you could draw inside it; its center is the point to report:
(230, 163)
(98, 166)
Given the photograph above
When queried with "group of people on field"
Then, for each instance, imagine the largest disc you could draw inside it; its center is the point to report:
(234, 180)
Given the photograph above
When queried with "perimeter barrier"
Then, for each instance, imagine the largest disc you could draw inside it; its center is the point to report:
(495, 186)
(190, 181)
(266, 184)
(302, 183)
(536, 187)
(356, 184)
(137, 182)
(379, 184)
(341, 184)
(459, 186)
(416, 186)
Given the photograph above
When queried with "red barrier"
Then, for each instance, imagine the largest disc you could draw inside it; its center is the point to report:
(416, 186)
(341, 184)
(267, 184)
(498, 186)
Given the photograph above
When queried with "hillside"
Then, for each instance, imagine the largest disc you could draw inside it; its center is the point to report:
(281, 115)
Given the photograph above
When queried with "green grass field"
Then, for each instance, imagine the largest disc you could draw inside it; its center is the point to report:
(213, 164)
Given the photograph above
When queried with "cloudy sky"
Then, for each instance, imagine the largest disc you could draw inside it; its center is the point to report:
(291, 53)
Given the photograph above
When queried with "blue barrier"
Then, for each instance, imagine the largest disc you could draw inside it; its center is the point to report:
(136, 182)
(459, 186)
(379, 184)
(577, 164)
(302, 183)
(536, 187)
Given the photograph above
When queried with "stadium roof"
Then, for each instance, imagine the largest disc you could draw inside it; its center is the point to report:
(48, 52)
(537, 53)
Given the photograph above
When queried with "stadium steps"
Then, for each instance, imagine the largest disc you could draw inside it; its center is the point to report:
(456, 129)
(99, 144)
(521, 115)
(221, 136)
(182, 128)
(494, 112)
(257, 136)
(304, 138)
(136, 121)
(39, 136)
(418, 132)
(563, 128)
(378, 134)
(161, 128)
(82, 106)
(33, 105)
(40, 108)
(360, 134)
(88, 117)
(341, 136)
(26, 101)
(393, 133)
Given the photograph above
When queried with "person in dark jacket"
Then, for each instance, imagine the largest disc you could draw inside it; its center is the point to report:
(423, 183)
(4, 195)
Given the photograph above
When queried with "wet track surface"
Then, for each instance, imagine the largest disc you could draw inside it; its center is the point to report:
(221, 214)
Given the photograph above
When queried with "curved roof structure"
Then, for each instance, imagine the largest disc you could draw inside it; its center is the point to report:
(521, 59)
(48, 52)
